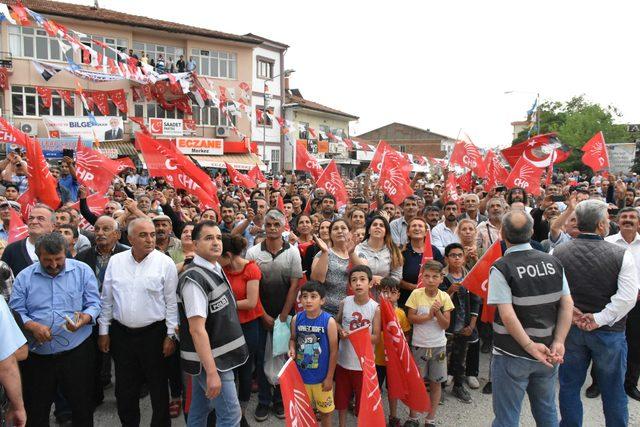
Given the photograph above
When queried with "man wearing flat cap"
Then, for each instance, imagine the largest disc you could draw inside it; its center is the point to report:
(165, 242)
(5, 215)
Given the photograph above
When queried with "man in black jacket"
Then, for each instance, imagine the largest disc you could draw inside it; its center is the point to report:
(97, 257)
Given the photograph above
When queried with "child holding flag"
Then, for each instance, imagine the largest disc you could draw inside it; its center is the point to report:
(314, 347)
(429, 311)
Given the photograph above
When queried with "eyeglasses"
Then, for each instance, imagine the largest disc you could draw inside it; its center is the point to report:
(456, 255)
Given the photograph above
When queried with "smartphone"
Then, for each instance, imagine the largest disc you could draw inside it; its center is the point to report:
(501, 189)
(558, 198)
(68, 152)
(254, 206)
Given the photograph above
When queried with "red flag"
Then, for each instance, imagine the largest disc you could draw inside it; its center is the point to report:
(477, 281)
(427, 255)
(451, 188)
(383, 151)
(140, 122)
(119, 99)
(238, 178)
(17, 228)
(466, 155)
(496, 172)
(538, 150)
(27, 201)
(20, 14)
(305, 161)
(403, 377)
(297, 409)
(525, 175)
(394, 180)
(595, 153)
(45, 96)
(280, 206)
(66, 95)
(124, 163)
(94, 169)
(331, 181)
(96, 203)
(100, 98)
(256, 174)
(370, 412)
(465, 182)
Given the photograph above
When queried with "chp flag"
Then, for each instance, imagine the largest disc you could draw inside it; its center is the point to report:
(394, 180)
(477, 281)
(525, 175)
(17, 228)
(595, 153)
(305, 161)
(331, 181)
(297, 409)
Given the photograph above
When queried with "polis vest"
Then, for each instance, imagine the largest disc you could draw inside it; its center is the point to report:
(226, 339)
(535, 279)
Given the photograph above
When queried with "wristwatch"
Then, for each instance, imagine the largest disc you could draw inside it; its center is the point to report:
(173, 337)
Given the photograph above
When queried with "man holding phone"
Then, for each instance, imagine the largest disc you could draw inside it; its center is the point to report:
(67, 177)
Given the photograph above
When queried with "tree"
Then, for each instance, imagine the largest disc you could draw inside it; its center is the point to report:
(575, 121)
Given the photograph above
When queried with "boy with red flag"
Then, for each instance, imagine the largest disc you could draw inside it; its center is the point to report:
(429, 311)
(314, 346)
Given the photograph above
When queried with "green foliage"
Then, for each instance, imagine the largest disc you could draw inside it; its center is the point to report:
(576, 121)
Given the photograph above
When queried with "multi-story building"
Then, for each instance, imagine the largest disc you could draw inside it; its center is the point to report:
(267, 97)
(314, 123)
(222, 60)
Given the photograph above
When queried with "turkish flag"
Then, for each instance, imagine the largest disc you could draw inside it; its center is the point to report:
(595, 153)
(17, 228)
(370, 412)
(403, 377)
(100, 98)
(297, 409)
(331, 181)
(66, 95)
(466, 155)
(45, 96)
(119, 99)
(477, 281)
(256, 174)
(305, 161)
(427, 255)
(525, 175)
(238, 178)
(94, 169)
(394, 181)
(20, 14)
(538, 150)
(385, 151)
(184, 104)
(496, 172)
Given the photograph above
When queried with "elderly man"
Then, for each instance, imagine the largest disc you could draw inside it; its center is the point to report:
(471, 204)
(531, 324)
(489, 230)
(5, 216)
(281, 268)
(165, 241)
(399, 226)
(58, 301)
(604, 283)
(138, 322)
(628, 237)
(21, 254)
(212, 341)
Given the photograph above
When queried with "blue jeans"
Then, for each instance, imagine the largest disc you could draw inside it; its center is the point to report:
(608, 350)
(227, 407)
(251, 331)
(512, 377)
(267, 393)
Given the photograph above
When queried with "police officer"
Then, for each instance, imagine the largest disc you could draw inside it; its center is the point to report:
(212, 342)
(532, 321)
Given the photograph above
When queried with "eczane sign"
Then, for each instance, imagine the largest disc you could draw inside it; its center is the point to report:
(202, 146)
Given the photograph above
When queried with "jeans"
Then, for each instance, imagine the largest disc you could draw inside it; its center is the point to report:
(227, 407)
(251, 331)
(267, 393)
(457, 351)
(512, 377)
(608, 350)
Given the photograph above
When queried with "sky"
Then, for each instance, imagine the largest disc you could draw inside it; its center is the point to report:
(438, 65)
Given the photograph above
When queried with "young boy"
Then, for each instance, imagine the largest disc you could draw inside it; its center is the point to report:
(355, 311)
(429, 312)
(314, 346)
(390, 289)
(462, 327)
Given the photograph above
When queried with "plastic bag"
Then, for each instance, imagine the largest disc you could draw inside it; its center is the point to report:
(281, 336)
(272, 364)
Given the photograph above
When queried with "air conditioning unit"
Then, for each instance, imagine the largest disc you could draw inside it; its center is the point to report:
(222, 131)
(29, 129)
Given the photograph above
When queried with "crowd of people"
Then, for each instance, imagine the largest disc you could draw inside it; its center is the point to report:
(180, 303)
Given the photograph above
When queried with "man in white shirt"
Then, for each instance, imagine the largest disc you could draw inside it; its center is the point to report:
(629, 238)
(138, 322)
(445, 233)
(399, 226)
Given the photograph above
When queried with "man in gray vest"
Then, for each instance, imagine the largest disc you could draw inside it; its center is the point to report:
(604, 284)
(211, 340)
(530, 326)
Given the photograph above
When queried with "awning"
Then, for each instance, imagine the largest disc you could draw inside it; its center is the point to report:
(340, 161)
(244, 161)
(113, 149)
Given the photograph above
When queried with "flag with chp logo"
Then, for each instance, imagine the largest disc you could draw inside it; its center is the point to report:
(385, 151)
(496, 172)
(477, 281)
(94, 169)
(332, 182)
(403, 377)
(394, 181)
(451, 188)
(595, 153)
(238, 178)
(305, 161)
(17, 228)
(466, 155)
(370, 412)
(525, 175)
(297, 409)
(96, 203)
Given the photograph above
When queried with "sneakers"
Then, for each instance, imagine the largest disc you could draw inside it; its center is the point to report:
(488, 388)
(393, 422)
(262, 412)
(461, 393)
(411, 423)
(278, 409)
(473, 383)
(485, 347)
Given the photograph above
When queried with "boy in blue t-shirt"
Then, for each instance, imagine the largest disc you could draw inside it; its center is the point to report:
(314, 347)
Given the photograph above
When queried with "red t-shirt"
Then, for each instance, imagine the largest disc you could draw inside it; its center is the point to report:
(239, 281)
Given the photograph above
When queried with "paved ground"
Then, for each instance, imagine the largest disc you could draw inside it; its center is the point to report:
(452, 413)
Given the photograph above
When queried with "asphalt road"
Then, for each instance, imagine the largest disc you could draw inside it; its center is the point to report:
(452, 413)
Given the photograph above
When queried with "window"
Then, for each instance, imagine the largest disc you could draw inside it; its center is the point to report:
(211, 116)
(151, 109)
(25, 102)
(113, 111)
(264, 120)
(303, 134)
(275, 160)
(154, 50)
(29, 42)
(114, 43)
(215, 64)
(265, 69)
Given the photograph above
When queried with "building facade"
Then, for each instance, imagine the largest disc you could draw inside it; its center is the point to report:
(411, 140)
